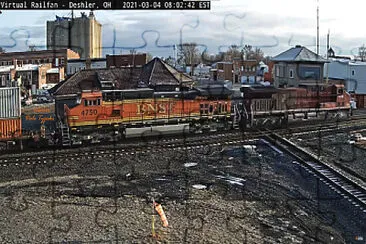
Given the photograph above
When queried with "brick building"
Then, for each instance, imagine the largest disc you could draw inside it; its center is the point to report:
(222, 71)
(54, 75)
(244, 71)
(75, 65)
(13, 61)
(123, 60)
(58, 58)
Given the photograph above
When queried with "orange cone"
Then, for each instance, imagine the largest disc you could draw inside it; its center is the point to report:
(161, 213)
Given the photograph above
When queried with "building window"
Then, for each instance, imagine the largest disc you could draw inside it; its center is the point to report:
(62, 60)
(3, 80)
(280, 71)
(309, 72)
(353, 72)
(291, 73)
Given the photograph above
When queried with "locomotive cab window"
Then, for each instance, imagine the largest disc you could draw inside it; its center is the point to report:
(88, 103)
(340, 91)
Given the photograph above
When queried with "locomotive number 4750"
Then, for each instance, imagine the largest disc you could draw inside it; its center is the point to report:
(89, 112)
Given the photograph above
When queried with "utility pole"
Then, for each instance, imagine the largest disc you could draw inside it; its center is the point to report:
(71, 23)
(326, 81)
(317, 29)
(328, 43)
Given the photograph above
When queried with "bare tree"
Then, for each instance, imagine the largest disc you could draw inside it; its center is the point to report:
(232, 53)
(209, 59)
(170, 60)
(149, 57)
(190, 53)
(362, 52)
(254, 54)
(32, 48)
(2, 50)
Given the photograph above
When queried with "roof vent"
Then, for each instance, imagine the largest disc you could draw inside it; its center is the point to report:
(298, 46)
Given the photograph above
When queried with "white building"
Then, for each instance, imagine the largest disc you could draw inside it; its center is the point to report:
(5, 75)
(202, 70)
(75, 65)
(352, 72)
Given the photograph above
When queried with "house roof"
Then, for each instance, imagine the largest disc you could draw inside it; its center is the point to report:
(122, 78)
(299, 54)
(154, 73)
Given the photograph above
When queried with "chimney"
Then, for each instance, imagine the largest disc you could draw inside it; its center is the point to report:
(88, 63)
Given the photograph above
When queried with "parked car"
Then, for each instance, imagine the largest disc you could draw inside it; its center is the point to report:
(43, 99)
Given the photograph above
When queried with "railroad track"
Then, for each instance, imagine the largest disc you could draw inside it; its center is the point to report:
(330, 175)
(166, 145)
(178, 143)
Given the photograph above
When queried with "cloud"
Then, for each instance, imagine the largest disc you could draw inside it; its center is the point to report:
(274, 26)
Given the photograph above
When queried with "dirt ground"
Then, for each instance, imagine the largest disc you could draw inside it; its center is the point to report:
(213, 194)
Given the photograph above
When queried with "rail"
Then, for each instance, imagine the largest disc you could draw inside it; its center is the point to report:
(330, 174)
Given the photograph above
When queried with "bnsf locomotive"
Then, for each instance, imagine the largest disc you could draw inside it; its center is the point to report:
(269, 106)
(113, 114)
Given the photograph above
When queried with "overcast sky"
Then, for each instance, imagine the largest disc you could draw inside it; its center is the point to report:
(274, 26)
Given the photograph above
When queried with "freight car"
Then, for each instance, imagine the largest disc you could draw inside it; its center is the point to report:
(10, 116)
(269, 106)
(38, 124)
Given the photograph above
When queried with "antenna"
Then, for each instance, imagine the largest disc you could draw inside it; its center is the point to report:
(317, 28)
(326, 81)
(328, 43)
(69, 29)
